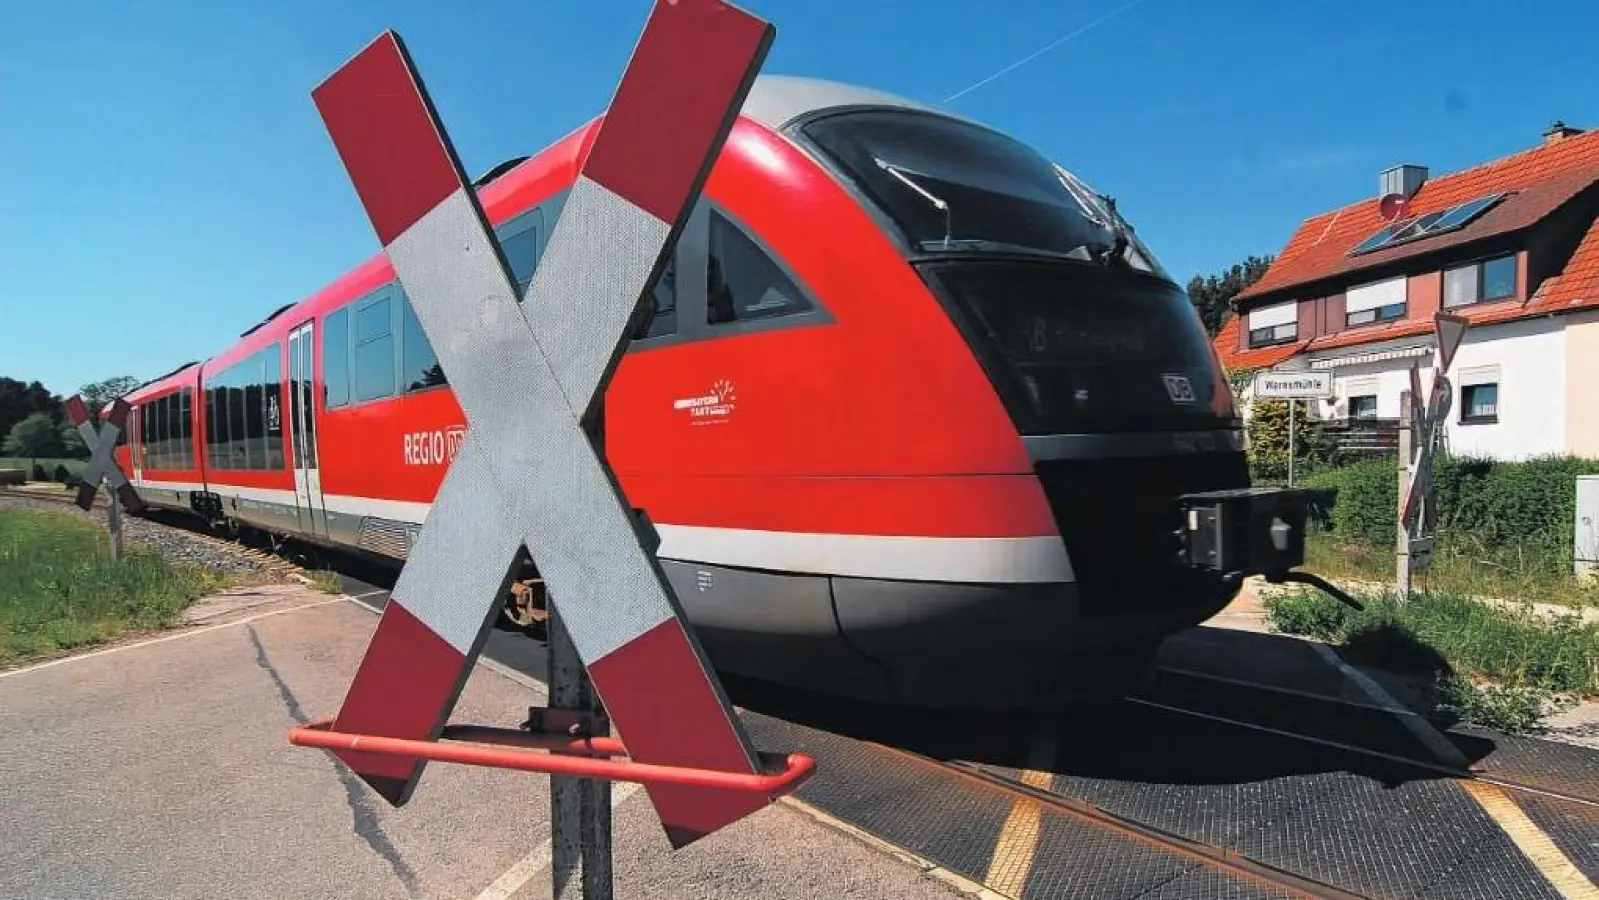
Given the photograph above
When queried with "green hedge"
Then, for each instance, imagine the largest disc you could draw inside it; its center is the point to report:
(1491, 507)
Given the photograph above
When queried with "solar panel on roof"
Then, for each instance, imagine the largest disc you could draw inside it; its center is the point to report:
(1428, 224)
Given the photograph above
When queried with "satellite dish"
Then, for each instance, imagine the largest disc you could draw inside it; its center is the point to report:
(1393, 206)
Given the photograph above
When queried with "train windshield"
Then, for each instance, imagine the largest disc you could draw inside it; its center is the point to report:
(950, 185)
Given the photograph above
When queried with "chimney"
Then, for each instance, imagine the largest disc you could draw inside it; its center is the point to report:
(1404, 180)
(1559, 131)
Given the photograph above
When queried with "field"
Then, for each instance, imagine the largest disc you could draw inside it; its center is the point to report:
(60, 588)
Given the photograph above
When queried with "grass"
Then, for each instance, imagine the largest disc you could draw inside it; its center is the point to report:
(1457, 568)
(1503, 667)
(74, 466)
(60, 588)
(327, 581)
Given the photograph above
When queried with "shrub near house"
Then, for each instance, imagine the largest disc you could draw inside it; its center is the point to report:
(1511, 516)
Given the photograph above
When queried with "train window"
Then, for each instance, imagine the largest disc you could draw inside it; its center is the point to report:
(419, 365)
(238, 433)
(272, 408)
(211, 426)
(168, 438)
(519, 242)
(374, 348)
(743, 282)
(660, 317)
(185, 430)
(223, 449)
(336, 359)
(153, 432)
(957, 186)
(254, 419)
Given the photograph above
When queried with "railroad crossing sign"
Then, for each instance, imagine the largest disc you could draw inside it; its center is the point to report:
(529, 376)
(1418, 445)
(102, 467)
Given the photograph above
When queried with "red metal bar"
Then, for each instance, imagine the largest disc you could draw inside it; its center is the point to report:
(796, 766)
(538, 740)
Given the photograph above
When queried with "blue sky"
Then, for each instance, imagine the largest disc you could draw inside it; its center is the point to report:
(165, 181)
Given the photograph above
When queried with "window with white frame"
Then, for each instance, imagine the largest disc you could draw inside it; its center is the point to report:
(1276, 324)
(1480, 281)
(1479, 395)
(1381, 301)
(1362, 399)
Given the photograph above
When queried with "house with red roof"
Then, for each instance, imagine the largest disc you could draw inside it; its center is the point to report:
(1512, 245)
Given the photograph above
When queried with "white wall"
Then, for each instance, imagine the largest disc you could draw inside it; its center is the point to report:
(1531, 356)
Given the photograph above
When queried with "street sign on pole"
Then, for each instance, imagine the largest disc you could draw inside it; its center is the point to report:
(1293, 385)
(102, 465)
(1422, 427)
(1451, 330)
(528, 473)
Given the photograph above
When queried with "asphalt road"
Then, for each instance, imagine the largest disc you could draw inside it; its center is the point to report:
(162, 770)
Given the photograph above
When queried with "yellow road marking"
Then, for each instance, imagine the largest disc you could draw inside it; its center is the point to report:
(1556, 867)
(1013, 855)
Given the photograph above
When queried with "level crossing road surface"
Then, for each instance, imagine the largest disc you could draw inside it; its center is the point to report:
(160, 768)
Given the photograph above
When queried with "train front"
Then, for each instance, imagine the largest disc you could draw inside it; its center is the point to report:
(1105, 371)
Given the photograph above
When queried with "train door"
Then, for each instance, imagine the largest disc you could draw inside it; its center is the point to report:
(302, 431)
(134, 435)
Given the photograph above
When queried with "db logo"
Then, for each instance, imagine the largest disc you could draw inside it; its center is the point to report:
(433, 448)
(1179, 388)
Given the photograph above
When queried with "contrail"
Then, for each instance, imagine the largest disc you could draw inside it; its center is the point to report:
(1036, 54)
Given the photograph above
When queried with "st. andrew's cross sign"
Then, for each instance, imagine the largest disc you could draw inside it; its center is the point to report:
(101, 443)
(529, 376)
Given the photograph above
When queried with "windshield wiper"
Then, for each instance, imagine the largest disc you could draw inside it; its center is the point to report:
(937, 203)
(1118, 249)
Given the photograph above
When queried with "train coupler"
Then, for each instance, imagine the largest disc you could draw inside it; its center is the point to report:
(1251, 531)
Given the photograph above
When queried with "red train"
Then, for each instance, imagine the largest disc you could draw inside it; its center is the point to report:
(911, 410)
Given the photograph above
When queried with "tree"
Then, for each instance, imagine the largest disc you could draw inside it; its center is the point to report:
(72, 444)
(18, 400)
(33, 437)
(1211, 293)
(97, 394)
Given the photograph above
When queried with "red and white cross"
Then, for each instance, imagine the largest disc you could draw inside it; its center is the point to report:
(101, 443)
(528, 376)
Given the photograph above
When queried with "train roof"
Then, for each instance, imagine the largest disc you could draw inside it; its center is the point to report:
(774, 101)
(778, 100)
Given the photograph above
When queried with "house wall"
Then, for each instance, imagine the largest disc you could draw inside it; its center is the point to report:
(1531, 355)
(1424, 294)
(1534, 404)
(1582, 384)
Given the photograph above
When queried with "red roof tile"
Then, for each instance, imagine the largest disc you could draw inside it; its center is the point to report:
(1578, 284)
(1227, 346)
(1542, 177)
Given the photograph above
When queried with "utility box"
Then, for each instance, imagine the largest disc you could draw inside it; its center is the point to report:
(1586, 551)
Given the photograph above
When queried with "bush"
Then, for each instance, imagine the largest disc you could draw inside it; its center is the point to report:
(1268, 440)
(38, 473)
(1516, 514)
(61, 474)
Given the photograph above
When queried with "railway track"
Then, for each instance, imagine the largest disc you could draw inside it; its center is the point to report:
(1026, 788)
(1586, 795)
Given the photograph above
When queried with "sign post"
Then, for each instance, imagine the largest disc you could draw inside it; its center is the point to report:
(1421, 425)
(103, 465)
(1293, 387)
(530, 372)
